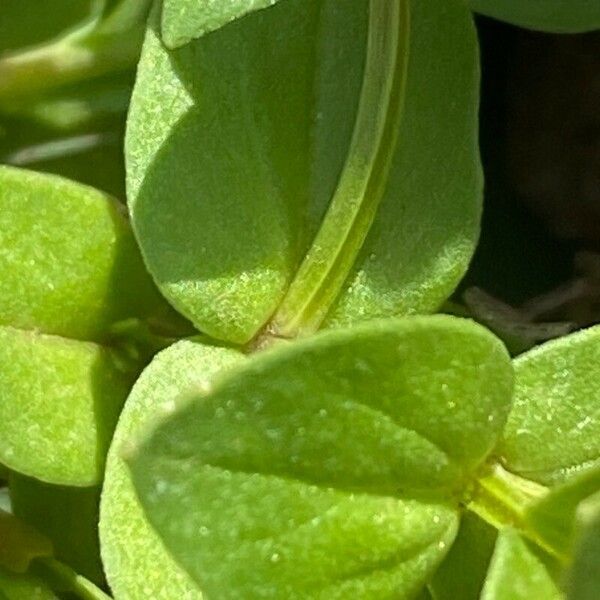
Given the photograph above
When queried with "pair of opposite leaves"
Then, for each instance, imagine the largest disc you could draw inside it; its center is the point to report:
(334, 467)
(69, 270)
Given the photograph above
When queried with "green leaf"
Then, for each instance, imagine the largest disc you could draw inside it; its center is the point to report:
(463, 571)
(21, 543)
(68, 260)
(131, 549)
(59, 403)
(517, 572)
(231, 167)
(15, 586)
(553, 517)
(584, 578)
(328, 468)
(561, 16)
(184, 20)
(553, 430)
(68, 516)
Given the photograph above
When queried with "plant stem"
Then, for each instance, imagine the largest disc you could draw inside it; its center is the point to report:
(363, 179)
(62, 578)
(77, 57)
(501, 499)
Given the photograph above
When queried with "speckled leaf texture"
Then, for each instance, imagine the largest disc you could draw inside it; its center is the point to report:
(328, 468)
(59, 402)
(517, 572)
(68, 260)
(553, 431)
(185, 20)
(238, 141)
(137, 565)
(561, 16)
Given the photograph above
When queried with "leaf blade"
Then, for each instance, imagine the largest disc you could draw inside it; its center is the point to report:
(264, 470)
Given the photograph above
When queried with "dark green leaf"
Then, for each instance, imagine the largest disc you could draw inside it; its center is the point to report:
(517, 572)
(547, 15)
(239, 141)
(21, 543)
(328, 468)
(553, 430)
(463, 571)
(59, 403)
(131, 549)
(584, 577)
(68, 516)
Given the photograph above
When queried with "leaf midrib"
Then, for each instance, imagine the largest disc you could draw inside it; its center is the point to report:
(361, 185)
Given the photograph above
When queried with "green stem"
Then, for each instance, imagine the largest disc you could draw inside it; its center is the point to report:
(80, 56)
(363, 179)
(63, 579)
(501, 499)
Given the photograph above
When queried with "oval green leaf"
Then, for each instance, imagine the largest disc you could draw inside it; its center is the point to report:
(328, 468)
(517, 572)
(560, 16)
(137, 565)
(68, 260)
(553, 430)
(231, 166)
(59, 403)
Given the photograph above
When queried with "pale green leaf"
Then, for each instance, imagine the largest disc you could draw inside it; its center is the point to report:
(328, 468)
(68, 260)
(68, 516)
(137, 565)
(239, 141)
(554, 427)
(561, 16)
(184, 20)
(461, 575)
(584, 578)
(517, 572)
(59, 403)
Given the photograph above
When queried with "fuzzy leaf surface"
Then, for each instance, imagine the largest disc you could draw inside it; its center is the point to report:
(131, 549)
(328, 468)
(553, 430)
(232, 166)
(59, 404)
(184, 20)
(68, 260)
